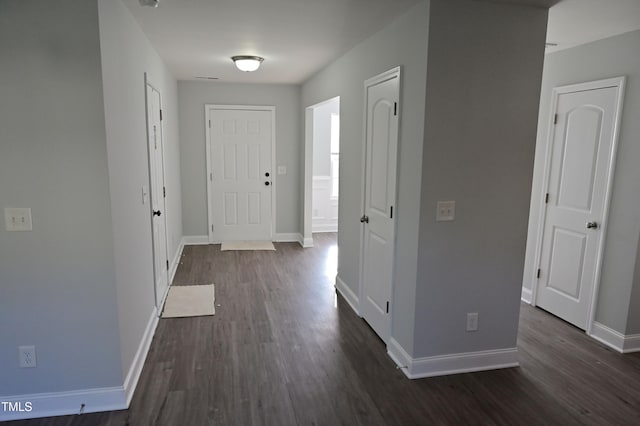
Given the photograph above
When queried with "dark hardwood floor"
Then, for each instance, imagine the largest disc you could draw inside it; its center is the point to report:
(282, 349)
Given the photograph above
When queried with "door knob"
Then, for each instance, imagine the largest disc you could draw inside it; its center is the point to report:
(267, 174)
(364, 219)
(157, 212)
(267, 183)
(592, 225)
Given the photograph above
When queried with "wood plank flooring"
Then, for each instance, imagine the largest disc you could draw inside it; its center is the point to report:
(282, 349)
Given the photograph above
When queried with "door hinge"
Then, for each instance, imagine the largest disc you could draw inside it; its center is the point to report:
(546, 198)
(395, 108)
(211, 176)
(538, 274)
(209, 123)
(391, 213)
(211, 228)
(555, 119)
(387, 307)
(164, 191)
(167, 265)
(160, 115)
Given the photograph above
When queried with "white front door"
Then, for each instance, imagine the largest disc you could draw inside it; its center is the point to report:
(241, 174)
(156, 172)
(381, 144)
(582, 153)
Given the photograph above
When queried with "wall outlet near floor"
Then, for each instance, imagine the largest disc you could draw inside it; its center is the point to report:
(445, 211)
(472, 321)
(27, 356)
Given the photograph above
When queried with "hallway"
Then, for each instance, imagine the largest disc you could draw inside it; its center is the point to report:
(282, 349)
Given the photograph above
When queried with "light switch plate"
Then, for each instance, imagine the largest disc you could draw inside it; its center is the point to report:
(18, 219)
(445, 211)
(282, 170)
(145, 194)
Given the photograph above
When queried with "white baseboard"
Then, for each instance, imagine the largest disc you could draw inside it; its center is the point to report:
(527, 295)
(195, 240)
(65, 403)
(176, 261)
(348, 294)
(289, 237)
(293, 237)
(615, 340)
(131, 381)
(442, 365)
(324, 228)
(306, 242)
(397, 353)
(631, 343)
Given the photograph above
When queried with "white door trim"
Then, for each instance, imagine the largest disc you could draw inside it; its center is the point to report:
(307, 230)
(394, 72)
(207, 125)
(159, 302)
(619, 83)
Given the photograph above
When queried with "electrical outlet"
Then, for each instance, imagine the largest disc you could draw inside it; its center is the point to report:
(472, 321)
(445, 211)
(27, 356)
(282, 170)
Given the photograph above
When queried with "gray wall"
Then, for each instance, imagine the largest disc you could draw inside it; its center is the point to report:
(192, 98)
(126, 56)
(402, 43)
(57, 282)
(611, 57)
(483, 84)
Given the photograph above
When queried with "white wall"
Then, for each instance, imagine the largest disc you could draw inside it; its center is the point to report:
(126, 56)
(483, 85)
(192, 98)
(322, 137)
(57, 282)
(620, 281)
(324, 209)
(402, 43)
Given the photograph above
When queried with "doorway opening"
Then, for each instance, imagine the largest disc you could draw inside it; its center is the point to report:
(573, 200)
(322, 169)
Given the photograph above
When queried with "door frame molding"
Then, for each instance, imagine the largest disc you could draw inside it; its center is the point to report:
(207, 111)
(619, 84)
(394, 72)
(148, 83)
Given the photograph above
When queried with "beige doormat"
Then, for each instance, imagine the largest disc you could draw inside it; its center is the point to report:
(247, 245)
(190, 301)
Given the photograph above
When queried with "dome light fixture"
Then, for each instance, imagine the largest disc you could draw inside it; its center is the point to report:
(151, 3)
(247, 63)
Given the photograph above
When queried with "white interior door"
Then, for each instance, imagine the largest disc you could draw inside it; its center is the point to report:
(582, 152)
(156, 171)
(381, 143)
(241, 174)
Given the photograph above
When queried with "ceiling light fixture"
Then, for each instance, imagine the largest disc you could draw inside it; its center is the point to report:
(152, 3)
(247, 63)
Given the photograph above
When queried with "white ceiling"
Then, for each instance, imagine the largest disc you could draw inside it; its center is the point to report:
(575, 22)
(297, 38)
